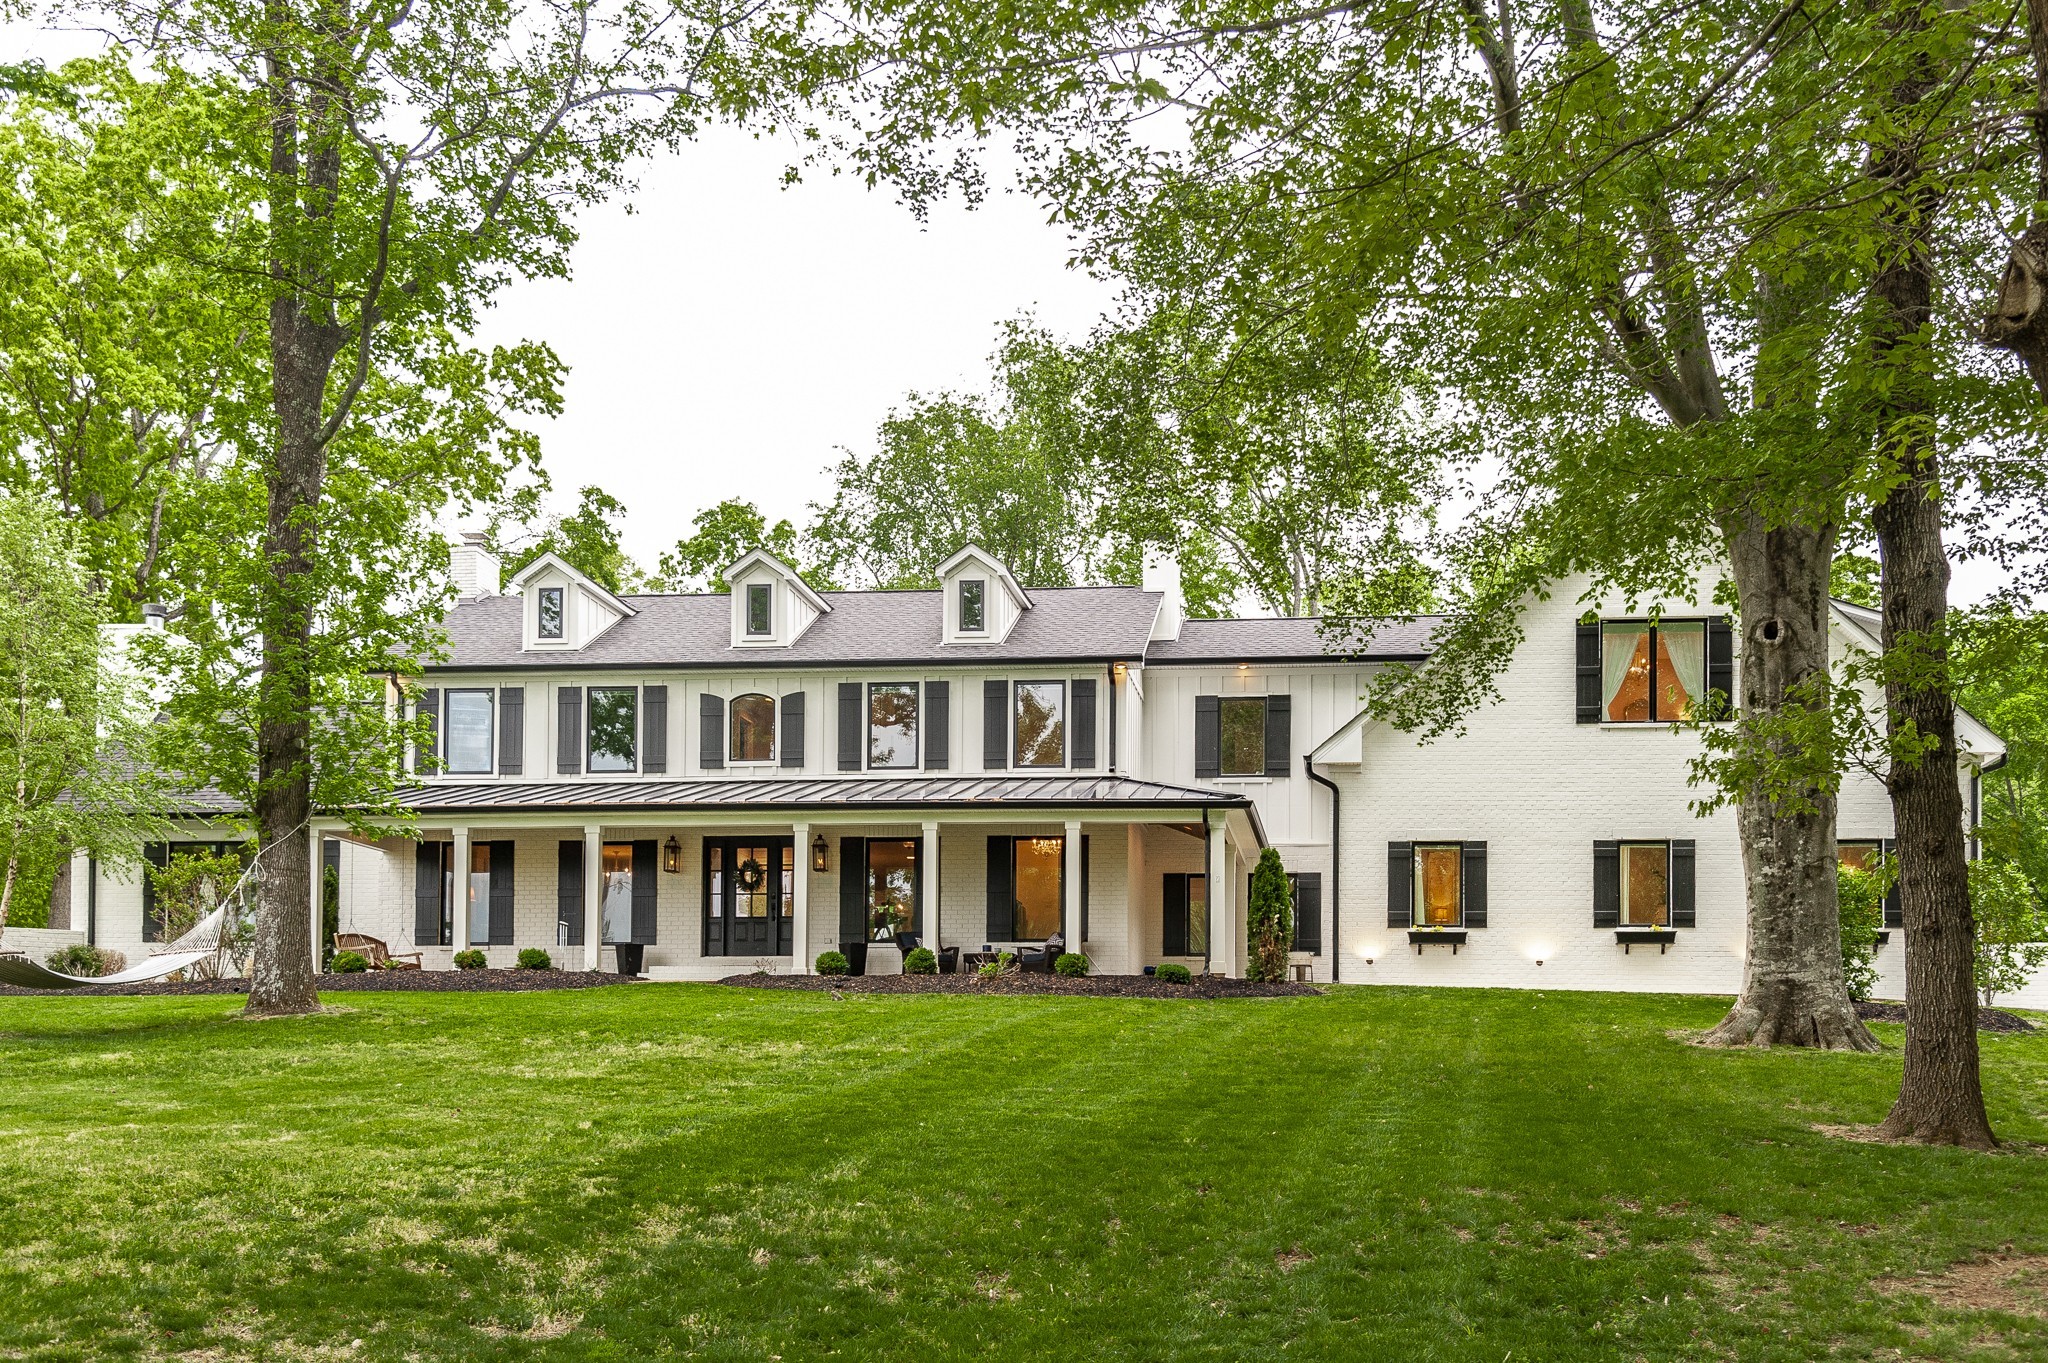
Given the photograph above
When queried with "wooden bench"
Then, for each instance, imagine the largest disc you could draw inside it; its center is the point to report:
(373, 950)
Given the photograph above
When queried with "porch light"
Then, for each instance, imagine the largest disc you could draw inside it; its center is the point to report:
(819, 852)
(672, 856)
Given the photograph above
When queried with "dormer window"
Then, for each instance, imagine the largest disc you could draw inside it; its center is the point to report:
(550, 612)
(760, 609)
(973, 620)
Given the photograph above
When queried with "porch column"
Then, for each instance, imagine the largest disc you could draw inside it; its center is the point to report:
(593, 895)
(461, 909)
(1071, 880)
(800, 902)
(316, 874)
(928, 858)
(1217, 867)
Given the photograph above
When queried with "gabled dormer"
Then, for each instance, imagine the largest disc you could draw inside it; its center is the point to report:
(561, 609)
(983, 603)
(771, 605)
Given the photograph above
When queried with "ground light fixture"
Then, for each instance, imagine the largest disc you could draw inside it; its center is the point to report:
(672, 856)
(819, 853)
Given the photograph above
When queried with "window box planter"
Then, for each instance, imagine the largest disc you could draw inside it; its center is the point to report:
(1436, 937)
(1660, 938)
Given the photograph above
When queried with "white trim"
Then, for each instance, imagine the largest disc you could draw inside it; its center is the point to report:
(554, 561)
(761, 557)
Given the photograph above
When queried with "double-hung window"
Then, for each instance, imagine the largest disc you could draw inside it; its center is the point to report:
(549, 609)
(1439, 885)
(468, 730)
(1652, 673)
(1041, 724)
(1859, 854)
(892, 725)
(1038, 873)
(1241, 735)
(614, 723)
(753, 728)
(1646, 884)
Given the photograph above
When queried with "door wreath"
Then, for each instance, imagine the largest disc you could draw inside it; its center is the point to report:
(750, 875)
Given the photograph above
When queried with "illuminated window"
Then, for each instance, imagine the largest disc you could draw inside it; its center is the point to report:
(753, 729)
(1652, 674)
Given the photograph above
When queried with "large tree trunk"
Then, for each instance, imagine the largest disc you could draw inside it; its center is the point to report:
(1793, 989)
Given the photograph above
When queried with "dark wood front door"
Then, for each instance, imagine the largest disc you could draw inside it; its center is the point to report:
(748, 883)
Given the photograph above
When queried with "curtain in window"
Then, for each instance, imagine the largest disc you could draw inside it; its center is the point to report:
(1681, 667)
(1625, 672)
(1437, 886)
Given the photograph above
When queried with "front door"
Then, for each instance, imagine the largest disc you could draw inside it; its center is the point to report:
(748, 886)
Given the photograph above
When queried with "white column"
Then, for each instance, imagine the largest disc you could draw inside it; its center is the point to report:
(462, 888)
(313, 874)
(1072, 881)
(1222, 955)
(593, 895)
(929, 867)
(800, 904)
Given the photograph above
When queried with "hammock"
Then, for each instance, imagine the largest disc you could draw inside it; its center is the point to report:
(202, 942)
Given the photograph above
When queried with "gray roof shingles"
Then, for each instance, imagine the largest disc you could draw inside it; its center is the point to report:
(1299, 639)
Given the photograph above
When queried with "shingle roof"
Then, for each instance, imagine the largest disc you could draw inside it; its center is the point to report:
(1293, 640)
(1064, 623)
(928, 791)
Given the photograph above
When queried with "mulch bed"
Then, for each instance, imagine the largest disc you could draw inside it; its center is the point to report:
(1988, 1019)
(1092, 986)
(369, 982)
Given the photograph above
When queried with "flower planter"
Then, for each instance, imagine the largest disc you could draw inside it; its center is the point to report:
(1436, 937)
(1630, 938)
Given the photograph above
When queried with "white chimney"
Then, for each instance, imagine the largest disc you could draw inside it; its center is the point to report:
(1162, 575)
(475, 567)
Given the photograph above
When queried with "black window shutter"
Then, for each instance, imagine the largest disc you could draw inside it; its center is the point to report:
(1606, 884)
(1894, 905)
(569, 730)
(1173, 898)
(1721, 660)
(1308, 912)
(157, 855)
(790, 742)
(646, 883)
(1279, 735)
(511, 730)
(569, 892)
(1681, 882)
(849, 726)
(1081, 731)
(654, 728)
(710, 732)
(1475, 884)
(1400, 884)
(1084, 894)
(853, 889)
(426, 895)
(938, 725)
(426, 757)
(1589, 672)
(995, 725)
(501, 893)
(1002, 894)
(1208, 737)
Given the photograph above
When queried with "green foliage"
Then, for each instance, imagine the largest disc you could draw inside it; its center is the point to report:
(1854, 578)
(1070, 964)
(349, 963)
(472, 959)
(533, 958)
(831, 963)
(2012, 928)
(1005, 963)
(1269, 920)
(85, 960)
(1173, 973)
(1861, 895)
(2001, 657)
(921, 961)
(330, 909)
(724, 533)
(587, 539)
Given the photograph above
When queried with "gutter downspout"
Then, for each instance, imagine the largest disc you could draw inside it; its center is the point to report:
(92, 901)
(1208, 888)
(1308, 764)
(1111, 669)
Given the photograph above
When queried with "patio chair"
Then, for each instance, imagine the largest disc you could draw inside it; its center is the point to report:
(949, 957)
(373, 950)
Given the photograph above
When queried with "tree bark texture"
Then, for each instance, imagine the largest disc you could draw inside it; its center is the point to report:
(1793, 989)
(2019, 320)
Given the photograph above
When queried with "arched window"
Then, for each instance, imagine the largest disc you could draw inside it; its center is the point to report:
(753, 729)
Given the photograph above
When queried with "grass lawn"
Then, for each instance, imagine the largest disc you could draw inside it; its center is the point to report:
(693, 1171)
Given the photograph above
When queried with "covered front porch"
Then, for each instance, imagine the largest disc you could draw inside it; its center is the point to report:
(711, 878)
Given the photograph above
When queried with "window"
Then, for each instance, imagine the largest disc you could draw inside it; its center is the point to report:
(1241, 733)
(1038, 873)
(1645, 884)
(1041, 724)
(615, 892)
(1652, 674)
(468, 729)
(892, 724)
(613, 713)
(479, 891)
(760, 608)
(892, 886)
(1858, 856)
(1439, 885)
(973, 620)
(753, 729)
(550, 612)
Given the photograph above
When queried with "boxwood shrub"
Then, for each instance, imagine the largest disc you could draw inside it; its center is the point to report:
(1071, 964)
(830, 963)
(472, 959)
(921, 961)
(349, 963)
(1174, 974)
(533, 958)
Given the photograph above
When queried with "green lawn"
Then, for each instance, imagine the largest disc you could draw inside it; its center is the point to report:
(694, 1171)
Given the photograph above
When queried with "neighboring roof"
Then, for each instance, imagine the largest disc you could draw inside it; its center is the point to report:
(1078, 624)
(1976, 738)
(811, 792)
(1294, 640)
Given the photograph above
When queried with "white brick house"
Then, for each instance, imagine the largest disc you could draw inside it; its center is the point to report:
(759, 776)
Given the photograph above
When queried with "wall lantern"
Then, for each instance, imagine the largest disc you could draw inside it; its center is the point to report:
(819, 853)
(672, 856)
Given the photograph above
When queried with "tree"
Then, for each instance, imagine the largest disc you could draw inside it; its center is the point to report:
(1861, 895)
(1269, 920)
(75, 746)
(2012, 929)
(587, 539)
(723, 534)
